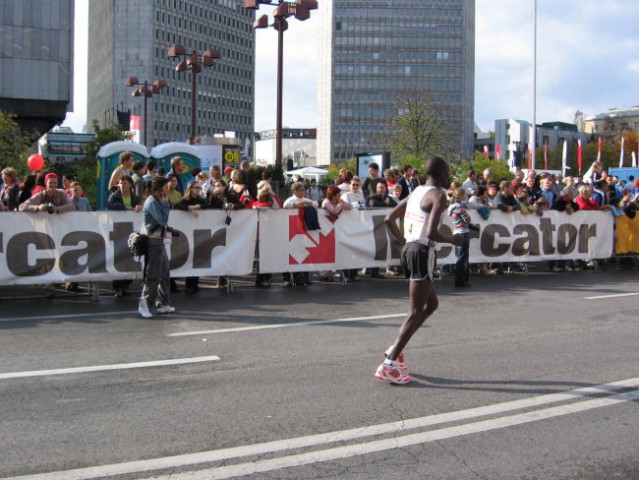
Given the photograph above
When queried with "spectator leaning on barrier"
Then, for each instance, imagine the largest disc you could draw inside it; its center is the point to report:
(298, 199)
(505, 200)
(77, 197)
(124, 198)
(381, 197)
(27, 184)
(10, 191)
(193, 202)
(51, 200)
(355, 196)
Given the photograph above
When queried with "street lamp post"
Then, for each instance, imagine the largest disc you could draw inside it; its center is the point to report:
(195, 63)
(300, 10)
(147, 91)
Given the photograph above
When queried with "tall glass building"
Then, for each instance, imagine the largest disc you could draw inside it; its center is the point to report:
(36, 61)
(371, 50)
(131, 38)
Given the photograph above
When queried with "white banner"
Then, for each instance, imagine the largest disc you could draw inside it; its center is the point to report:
(359, 239)
(41, 248)
(92, 246)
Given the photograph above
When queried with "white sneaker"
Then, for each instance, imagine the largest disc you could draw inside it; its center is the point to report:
(143, 309)
(166, 309)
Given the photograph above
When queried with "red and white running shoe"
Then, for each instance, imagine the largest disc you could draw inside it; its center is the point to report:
(399, 363)
(391, 375)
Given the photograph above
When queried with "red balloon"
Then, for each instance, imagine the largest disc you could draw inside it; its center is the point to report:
(35, 162)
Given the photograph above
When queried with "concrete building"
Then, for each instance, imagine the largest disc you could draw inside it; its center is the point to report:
(613, 122)
(131, 38)
(371, 50)
(299, 147)
(36, 65)
(514, 138)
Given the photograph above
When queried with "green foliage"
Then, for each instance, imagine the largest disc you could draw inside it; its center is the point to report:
(334, 168)
(500, 169)
(15, 146)
(419, 128)
(114, 133)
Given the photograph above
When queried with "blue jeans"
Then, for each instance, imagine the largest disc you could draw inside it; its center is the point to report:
(462, 265)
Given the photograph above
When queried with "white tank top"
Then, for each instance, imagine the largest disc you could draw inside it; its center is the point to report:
(416, 219)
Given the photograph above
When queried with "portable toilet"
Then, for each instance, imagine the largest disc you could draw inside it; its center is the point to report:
(109, 159)
(190, 155)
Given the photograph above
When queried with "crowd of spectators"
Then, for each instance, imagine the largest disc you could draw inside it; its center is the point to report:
(234, 189)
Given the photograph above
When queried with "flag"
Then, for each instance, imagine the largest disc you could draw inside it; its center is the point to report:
(546, 155)
(485, 151)
(599, 150)
(498, 151)
(579, 155)
(621, 155)
(564, 158)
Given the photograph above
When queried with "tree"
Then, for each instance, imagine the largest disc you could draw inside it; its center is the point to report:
(86, 170)
(334, 168)
(419, 128)
(15, 146)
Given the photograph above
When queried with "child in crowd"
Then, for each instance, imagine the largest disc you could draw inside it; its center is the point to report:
(461, 226)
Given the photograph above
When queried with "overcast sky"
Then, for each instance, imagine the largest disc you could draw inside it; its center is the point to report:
(587, 60)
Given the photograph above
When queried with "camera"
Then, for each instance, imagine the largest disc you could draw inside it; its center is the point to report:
(474, 227)
(173, 231)
(228, 219)
(50, 207)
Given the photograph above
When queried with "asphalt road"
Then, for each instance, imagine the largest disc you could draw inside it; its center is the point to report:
(517, 377)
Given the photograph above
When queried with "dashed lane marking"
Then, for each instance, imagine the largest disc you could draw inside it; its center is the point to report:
(104, 368)
(284, 325)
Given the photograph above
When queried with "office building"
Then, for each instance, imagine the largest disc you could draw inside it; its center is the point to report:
(372, 50)
(36, 64)
(131, 38)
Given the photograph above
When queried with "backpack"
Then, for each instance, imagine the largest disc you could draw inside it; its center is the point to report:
(138, 244)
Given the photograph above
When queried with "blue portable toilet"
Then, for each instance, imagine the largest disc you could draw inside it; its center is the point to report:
(108, 160)
(190, 155)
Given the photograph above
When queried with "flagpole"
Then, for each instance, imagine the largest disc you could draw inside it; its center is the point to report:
(534, 125)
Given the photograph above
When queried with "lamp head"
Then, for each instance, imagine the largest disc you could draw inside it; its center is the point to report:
(176, 51)
(181, 67)
(261, 22)
(131, 81)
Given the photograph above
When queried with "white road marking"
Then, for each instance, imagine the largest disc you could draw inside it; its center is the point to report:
(284, 325)
(616, 295)
(70, 316)
(399, 431)
(103, 368)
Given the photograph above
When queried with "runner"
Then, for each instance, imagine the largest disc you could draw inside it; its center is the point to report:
(422, 212)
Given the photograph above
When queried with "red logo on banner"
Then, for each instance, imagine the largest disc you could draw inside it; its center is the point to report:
(308, 247)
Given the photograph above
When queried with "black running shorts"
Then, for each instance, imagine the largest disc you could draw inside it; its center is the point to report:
(418, 261)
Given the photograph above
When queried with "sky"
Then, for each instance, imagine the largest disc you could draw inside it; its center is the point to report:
(587, 60)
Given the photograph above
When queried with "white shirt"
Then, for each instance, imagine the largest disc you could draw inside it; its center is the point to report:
(415, 218)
